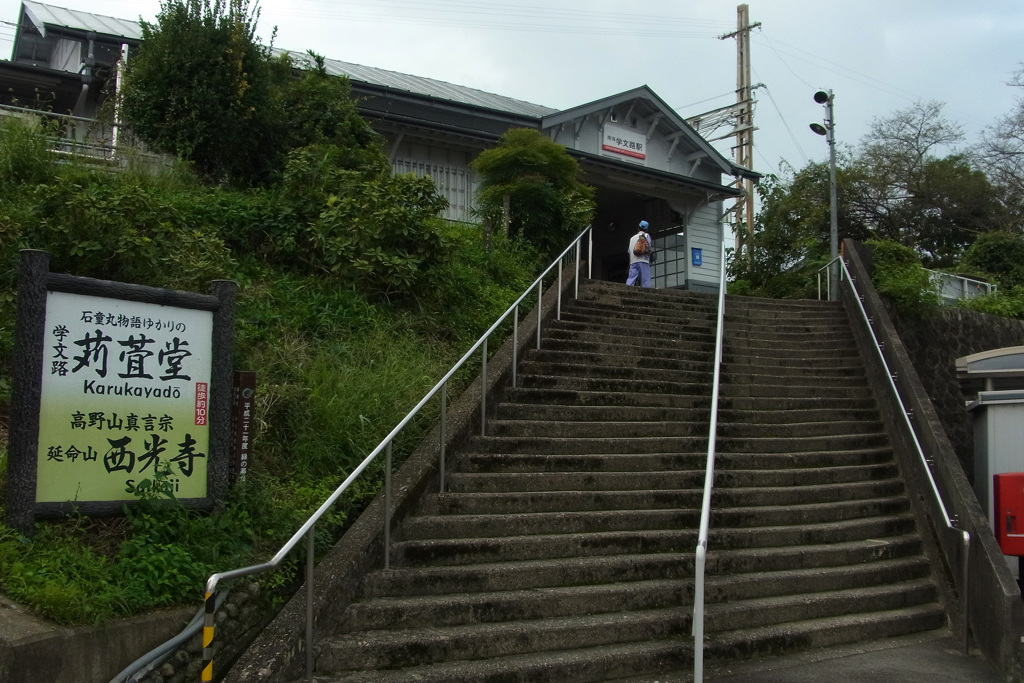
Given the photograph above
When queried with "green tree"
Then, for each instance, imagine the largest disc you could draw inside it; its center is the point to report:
(893, 186)
(547, 201)
(791, 230)
(200, 89)
(999, 255)
(904, 191)
(318, 109)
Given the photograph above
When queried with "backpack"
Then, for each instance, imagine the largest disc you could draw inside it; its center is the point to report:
(642, 247)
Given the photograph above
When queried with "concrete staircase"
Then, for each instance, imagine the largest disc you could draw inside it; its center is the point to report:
(563, 548)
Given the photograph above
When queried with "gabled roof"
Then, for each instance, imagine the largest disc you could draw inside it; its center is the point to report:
(647, 103)
(43, 16)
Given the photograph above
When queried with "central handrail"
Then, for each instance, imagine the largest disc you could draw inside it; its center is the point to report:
(709, 478)
(308, 528)
(950, 523)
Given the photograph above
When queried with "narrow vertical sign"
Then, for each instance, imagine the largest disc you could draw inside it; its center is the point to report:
(125, 391)
(245, 410)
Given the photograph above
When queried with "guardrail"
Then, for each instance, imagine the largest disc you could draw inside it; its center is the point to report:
(953, 288)
(307, 530)
(709, 478)
(88, 138)
(965, 537)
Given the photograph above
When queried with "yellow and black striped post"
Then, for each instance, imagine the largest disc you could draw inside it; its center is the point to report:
(208, 620)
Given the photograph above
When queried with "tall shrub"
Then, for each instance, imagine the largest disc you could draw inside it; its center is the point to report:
(200, 89)
(547, 201)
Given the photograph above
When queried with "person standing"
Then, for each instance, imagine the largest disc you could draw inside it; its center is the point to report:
(640, 257)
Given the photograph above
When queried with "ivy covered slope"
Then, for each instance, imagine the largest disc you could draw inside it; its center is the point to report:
(354, 299)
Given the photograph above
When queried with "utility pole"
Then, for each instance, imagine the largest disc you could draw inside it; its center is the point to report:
(744, 132)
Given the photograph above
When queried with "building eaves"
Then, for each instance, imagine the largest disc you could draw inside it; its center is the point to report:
(716, 190)
(43, 16)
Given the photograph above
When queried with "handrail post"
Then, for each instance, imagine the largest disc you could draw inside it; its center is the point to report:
(310, 560)
(444, 440)
(540, 311)
(387, 507)
(966, 538)
(697, 627)
(209, 620)
(558, 299)
(483, 391)
(590, 253)
(515, 345)
(579, 257)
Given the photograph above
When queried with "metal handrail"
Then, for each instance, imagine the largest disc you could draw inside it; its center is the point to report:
(709, 478)
(965, 536)
(98, 141)
(307, 529)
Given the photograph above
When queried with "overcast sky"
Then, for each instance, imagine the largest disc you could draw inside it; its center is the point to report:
(876, 56)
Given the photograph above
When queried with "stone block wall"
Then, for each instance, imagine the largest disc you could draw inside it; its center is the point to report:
(934, 343)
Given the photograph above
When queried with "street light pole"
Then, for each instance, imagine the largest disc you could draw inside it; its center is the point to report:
(829, 131)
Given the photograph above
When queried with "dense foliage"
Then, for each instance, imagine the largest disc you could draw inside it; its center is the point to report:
(898, 275)
(200, 88)
(331, 262)
(906, 182)
(540, 185)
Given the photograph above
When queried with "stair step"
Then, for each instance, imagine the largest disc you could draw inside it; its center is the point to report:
(821, 579)
(579, 665)
(606, 371)
(801, 636)
(527, 523)
(609, 429)
(652, 499)
(583, 445)
(659, 462)
(727, 570)
(451, 551)
(778, 609)
(515, 605)
(530, 574)
(419, 646)
(575, 397)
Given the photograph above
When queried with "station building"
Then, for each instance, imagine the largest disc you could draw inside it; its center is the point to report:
(645, 161)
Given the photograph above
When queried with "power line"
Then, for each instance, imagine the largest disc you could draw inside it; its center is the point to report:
(716, 97)
(535, 13)
(509, 17)
(836, 68)
(786, 124)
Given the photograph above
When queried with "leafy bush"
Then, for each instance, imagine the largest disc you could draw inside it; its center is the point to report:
(548, 203)
(1007, 303)
(899, 276)
(999, 255)
(200, 89)
(382, 235)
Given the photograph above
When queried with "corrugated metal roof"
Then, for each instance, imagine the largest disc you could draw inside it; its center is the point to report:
(427, 86)
(43, 15)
